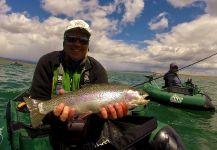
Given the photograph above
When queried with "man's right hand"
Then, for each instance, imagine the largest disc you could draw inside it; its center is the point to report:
(63, 112)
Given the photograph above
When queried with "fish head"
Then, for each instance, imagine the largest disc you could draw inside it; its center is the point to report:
(135, 98)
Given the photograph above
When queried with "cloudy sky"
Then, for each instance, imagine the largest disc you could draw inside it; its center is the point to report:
(135, 35)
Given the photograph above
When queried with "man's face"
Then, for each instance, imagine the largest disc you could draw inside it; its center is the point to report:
(76, 44)
(174, 69)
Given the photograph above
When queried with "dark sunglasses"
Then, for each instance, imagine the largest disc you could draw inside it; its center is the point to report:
(73, 39)
(175, 67)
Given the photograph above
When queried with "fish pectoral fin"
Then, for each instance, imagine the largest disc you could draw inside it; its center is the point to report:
(85, 115)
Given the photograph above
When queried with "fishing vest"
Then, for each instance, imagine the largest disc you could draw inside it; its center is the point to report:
(67, 80)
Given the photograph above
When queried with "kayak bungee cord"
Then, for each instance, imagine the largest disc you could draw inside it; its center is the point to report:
(178, 70)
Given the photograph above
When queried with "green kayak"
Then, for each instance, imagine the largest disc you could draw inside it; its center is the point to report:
(16, 132)
(187, 96)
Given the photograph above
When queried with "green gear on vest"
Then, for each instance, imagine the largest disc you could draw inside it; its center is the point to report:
(67, 76)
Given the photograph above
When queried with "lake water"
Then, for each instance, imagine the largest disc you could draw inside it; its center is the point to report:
(198, 129)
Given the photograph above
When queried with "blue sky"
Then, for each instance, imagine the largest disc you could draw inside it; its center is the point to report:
(137, 35)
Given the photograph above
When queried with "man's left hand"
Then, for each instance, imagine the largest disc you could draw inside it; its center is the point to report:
(115, 111)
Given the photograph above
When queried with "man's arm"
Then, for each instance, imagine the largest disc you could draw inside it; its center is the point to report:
(98, 72)
(42, 80)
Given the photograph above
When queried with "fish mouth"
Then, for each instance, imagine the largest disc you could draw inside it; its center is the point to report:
(147, 97)
(144, 94)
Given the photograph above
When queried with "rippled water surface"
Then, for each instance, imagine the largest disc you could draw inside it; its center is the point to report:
(198, 129)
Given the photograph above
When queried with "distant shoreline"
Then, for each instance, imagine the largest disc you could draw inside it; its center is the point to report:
(18, 60)
(161, 74)
(131, 72)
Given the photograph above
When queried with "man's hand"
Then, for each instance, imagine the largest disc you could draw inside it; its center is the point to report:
(118, 110)
(63, 112)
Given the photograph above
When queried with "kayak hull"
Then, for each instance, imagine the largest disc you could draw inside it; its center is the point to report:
(197, 101)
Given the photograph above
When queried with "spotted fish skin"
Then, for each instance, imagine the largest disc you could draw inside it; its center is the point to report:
(90, 98)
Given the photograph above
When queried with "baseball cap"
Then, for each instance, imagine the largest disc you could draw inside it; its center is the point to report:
(78, 24)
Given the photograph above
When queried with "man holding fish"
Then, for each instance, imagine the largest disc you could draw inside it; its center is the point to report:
(69, 85)
(61, 92)
(68, 70)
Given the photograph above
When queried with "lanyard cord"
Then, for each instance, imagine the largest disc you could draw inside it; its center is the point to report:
(59, 78)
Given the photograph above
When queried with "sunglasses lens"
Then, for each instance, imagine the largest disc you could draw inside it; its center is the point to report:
(73, 39)
(84, 41)
(70, 39)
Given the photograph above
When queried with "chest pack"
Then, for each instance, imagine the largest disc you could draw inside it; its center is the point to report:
(69, 81)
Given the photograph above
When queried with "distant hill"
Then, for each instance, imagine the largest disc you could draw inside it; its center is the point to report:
(158, 74)
(18, 60)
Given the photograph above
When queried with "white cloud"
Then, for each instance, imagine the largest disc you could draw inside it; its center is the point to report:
(66, 7)
(159, 22)
(211, 7)
(28, 38)
(187, 42)
(133, 8)
(181, 3)
(95, 13)
(115, 55)
(87, 10)
(77, 8)
(108, 49)
(4, 8)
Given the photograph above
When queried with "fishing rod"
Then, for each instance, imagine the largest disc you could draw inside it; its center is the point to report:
(178, 69)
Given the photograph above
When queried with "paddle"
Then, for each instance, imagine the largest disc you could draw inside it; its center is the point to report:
(178, 70)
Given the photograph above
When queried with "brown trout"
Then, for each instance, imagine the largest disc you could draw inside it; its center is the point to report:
(90, 98)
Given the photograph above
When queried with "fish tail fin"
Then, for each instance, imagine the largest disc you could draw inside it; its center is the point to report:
(35, 116)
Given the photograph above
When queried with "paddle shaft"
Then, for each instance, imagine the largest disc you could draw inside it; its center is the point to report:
(178, 69)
